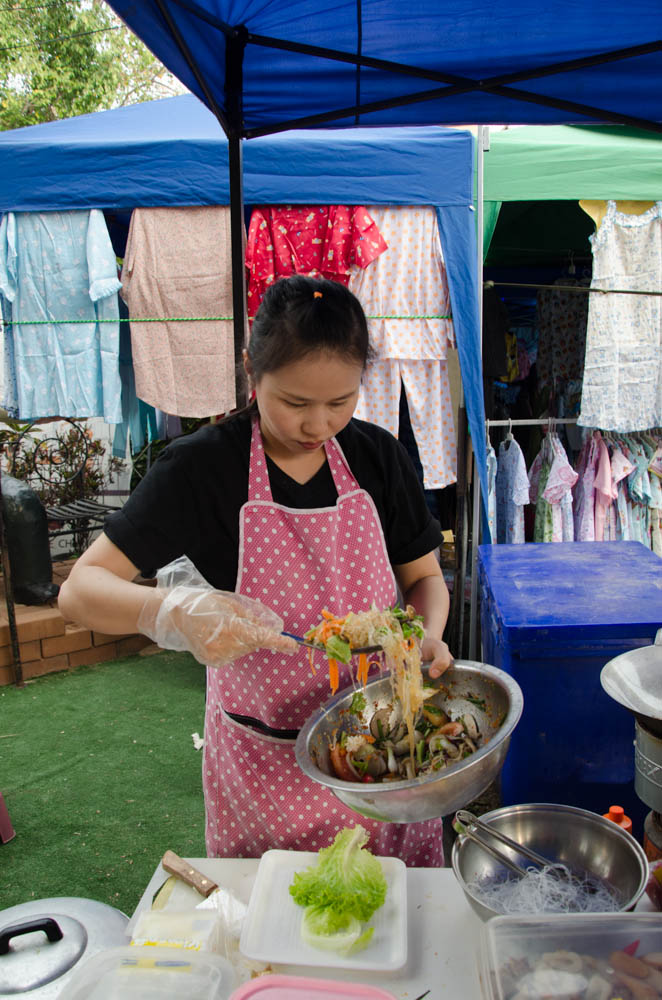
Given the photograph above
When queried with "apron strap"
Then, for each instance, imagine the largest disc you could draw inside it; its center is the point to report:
(259, 487)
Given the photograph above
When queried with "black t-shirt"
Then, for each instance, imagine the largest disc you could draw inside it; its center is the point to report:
(190, 500)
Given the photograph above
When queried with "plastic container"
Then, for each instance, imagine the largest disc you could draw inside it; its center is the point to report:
(617, 815)
(565, 956)
(140, 973)
(552, 615)
(198, 930)
(290, 987)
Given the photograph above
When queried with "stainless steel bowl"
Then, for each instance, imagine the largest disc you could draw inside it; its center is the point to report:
(582, 840)
(489, 694)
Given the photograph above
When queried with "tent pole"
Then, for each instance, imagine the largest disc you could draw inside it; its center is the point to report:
(234, 58)
(482, 145)
(237, 239)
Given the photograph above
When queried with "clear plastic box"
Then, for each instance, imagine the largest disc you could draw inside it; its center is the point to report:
(144, 973)
(587, 956)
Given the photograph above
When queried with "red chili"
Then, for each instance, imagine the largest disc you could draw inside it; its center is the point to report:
(367, 779)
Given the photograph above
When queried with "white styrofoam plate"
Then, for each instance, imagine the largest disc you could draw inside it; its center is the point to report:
(272, 928)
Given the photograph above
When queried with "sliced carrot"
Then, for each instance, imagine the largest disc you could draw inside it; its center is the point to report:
(310, 660)
(362, 670)
(333, 675)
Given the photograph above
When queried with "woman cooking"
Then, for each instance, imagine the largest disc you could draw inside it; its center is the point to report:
(262, 520)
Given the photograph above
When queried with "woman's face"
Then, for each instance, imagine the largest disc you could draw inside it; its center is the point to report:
(305, 403)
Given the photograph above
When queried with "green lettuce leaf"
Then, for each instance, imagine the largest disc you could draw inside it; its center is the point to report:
(322, 928)
(347, 879)
(338, 649)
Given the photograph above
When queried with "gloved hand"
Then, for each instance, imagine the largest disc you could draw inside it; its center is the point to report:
(437, 653)
(184, 612)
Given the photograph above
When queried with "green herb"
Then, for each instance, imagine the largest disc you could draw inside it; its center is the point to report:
(360, 765)
(357, 704)
(338, 649)
(478, 702)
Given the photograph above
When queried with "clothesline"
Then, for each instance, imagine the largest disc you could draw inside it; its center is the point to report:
(178, 319)
(568, 288)
(531, 423)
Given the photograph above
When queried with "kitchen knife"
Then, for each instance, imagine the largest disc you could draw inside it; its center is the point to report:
(185, 872)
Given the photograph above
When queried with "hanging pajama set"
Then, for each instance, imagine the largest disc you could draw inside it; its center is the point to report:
(315, 240)
(408, 282)
(295, 561)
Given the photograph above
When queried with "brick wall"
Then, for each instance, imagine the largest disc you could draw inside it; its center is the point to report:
(47, 643)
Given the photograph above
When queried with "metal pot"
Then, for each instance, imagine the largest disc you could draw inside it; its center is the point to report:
(634, 679)
(42, 942)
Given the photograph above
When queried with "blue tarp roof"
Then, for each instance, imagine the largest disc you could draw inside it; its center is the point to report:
(264, 63)
(174, 152)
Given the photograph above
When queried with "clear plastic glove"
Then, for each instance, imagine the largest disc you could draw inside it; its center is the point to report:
(185, 613)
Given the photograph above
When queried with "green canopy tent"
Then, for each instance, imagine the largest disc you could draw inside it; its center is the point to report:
(568, 163)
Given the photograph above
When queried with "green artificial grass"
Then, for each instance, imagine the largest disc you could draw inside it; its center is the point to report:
(100, 776)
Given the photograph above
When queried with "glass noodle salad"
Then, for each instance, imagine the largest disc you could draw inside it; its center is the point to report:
(411, 737)
(396, 631)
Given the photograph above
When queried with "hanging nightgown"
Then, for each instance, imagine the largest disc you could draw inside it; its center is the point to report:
(584, 491)
(640, 494)
(622, 389)
(617, 527)
(551, 479)
(491, 459)
(655, 502)
(604, 491)
(561, 318)
(546, 527)
(559, 487)
(177, 267)
(405, 295)
(58, 285)
(512, 493)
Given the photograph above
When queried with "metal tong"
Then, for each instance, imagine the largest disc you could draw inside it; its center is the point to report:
(318, 645)
(470, 824)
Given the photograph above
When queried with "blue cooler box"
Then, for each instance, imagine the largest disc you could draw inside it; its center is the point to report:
(552, 615)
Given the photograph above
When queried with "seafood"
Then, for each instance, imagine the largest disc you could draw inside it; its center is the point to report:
(381, 749)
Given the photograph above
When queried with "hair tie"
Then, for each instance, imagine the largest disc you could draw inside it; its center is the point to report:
(317, 295)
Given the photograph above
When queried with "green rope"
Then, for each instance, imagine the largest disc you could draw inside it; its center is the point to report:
(172, 319)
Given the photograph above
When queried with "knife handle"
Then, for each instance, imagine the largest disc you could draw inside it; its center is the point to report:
(175, 865)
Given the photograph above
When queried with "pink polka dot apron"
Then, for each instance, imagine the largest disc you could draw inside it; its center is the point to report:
(296, 562)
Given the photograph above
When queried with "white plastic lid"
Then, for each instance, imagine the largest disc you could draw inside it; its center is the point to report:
(277, 987)
(142, 973)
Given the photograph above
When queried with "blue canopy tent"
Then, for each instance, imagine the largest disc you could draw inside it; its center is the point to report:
(172, 152)
(283, 64)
